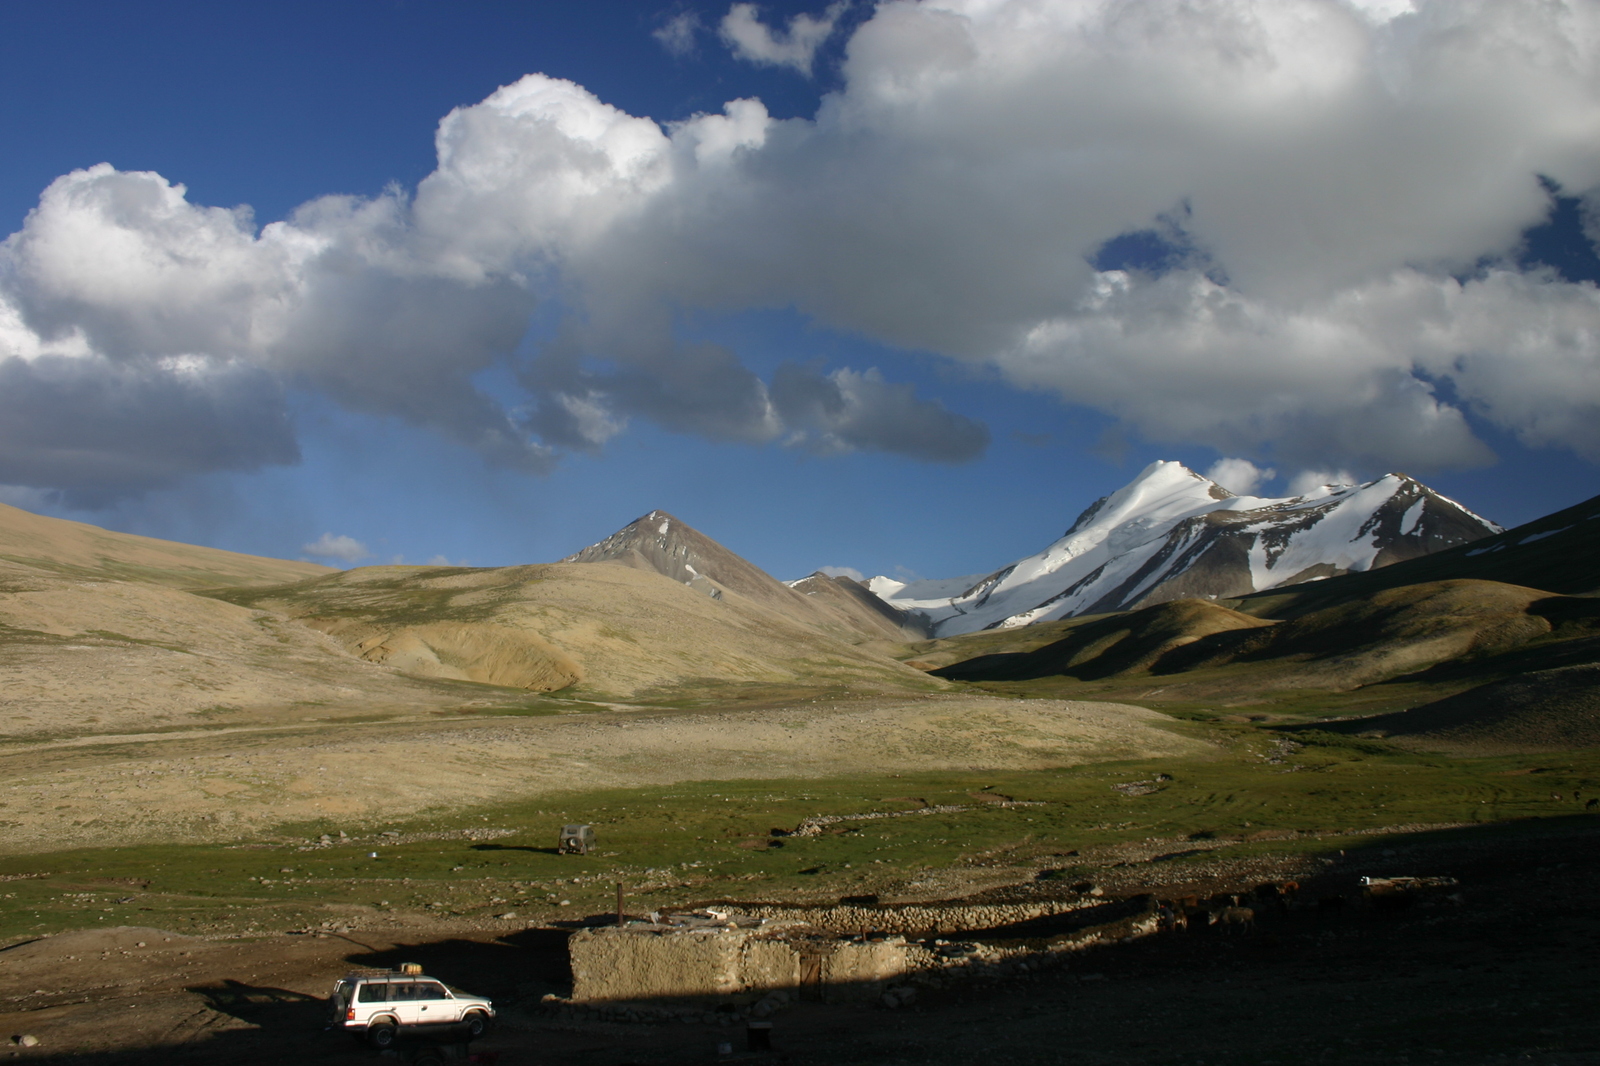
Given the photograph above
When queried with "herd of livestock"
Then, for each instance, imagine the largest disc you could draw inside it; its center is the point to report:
(1238, 912)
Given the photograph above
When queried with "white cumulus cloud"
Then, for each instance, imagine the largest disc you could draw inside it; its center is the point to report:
(1314, 483)
(754, 41)
(677, 33)
(1239, 476)
(343, 548)
(1340, 190)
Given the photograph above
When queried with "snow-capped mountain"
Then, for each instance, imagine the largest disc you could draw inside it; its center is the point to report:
(1171, 534)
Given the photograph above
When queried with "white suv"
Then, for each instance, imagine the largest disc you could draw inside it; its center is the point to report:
(382, 1004)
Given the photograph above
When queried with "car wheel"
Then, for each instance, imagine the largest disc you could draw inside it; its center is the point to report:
(475, 1023)
(381, 1036)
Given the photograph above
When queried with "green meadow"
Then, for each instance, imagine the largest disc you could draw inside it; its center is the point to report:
(1264, 792)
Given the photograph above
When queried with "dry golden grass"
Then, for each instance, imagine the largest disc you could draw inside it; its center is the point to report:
(74, 549)
(195, 786)
(609, 631)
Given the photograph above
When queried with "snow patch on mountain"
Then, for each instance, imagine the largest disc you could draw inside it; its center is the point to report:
(942, 588)
(1172, 533)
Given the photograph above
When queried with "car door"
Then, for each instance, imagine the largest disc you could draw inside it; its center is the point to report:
(403, 1001)
(374, 999)
(434, 1006)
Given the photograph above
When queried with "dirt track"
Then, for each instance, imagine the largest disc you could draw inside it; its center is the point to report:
(1506, 976)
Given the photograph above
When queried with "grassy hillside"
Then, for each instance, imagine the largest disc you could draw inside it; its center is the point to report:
(74, 549)
(1484, 640)
(104, 632)
(595, 630)
(1362, 641)
(1546, 710)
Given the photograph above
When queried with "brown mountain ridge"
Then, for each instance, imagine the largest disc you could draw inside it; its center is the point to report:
(663, 544)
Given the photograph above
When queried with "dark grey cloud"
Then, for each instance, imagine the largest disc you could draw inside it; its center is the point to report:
(704, 389)
(407, 347)
(849, 411)
(99, 430)
(696, 388)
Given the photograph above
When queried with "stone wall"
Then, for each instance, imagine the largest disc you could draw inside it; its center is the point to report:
(630, 963)
(673, 967)
(770, 963)
(917, 920)
(860, 969)
(647, 962)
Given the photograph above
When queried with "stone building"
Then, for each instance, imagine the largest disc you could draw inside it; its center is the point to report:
(700, 959)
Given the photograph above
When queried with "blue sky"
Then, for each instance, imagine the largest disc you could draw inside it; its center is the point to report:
(961, 272)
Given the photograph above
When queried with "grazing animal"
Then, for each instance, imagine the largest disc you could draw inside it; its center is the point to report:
(1556, 796)
(1274, 896)
(1234, 919)
(1592, 804)
(1187, 909)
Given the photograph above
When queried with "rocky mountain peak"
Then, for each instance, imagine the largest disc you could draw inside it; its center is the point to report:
(1171, 533)
(667, 545)
(671, 547)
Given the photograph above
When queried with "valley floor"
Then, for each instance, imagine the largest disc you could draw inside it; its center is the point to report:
(249, 774)
(188, 897)
(1506, 976)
